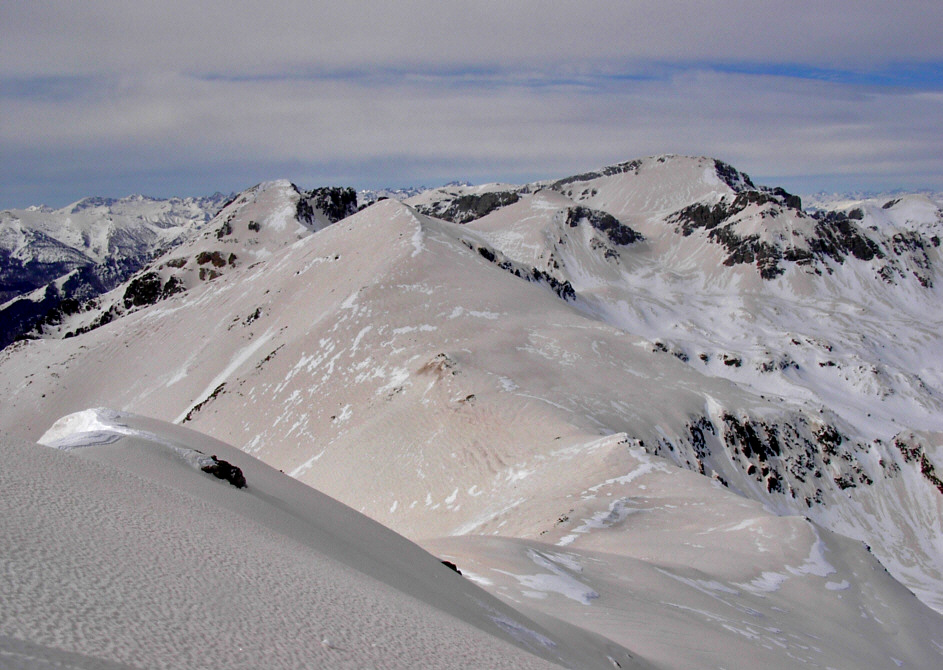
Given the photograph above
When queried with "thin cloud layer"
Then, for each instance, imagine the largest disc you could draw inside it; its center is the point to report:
(105, 97)
(42, 38)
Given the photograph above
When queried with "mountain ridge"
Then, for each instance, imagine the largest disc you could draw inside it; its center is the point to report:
(526, 373)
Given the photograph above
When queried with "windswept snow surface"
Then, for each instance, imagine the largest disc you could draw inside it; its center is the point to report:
(654, 373)
(698, 577)
(115, 552)
(114, 524)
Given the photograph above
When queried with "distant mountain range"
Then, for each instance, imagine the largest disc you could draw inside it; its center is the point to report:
(693, 415)
(57, 258)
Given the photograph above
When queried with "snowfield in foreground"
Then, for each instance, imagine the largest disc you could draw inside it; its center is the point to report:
(117, 549)
(121, 552)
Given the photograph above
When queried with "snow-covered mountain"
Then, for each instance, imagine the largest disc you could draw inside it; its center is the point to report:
(655, 401)
(369, 196)
(250, 228)
(70, 304)
(84, 249)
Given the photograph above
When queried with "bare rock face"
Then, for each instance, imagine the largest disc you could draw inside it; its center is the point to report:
(333, 201)
(470, 206)
(617, 232)
(226, 471)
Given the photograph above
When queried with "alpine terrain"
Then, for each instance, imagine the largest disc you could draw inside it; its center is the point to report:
(53, 260)
(657, 415)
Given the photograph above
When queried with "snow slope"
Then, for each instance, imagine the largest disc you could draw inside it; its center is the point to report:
(248, 229)
(658, 568)
(118, 550)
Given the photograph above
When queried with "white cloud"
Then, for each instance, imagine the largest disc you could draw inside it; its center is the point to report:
(239, 36)
(415, 91)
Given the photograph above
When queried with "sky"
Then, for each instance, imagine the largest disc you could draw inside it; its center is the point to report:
(188, 98)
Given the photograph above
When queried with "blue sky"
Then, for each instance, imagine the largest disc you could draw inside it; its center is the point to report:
(182, 98)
